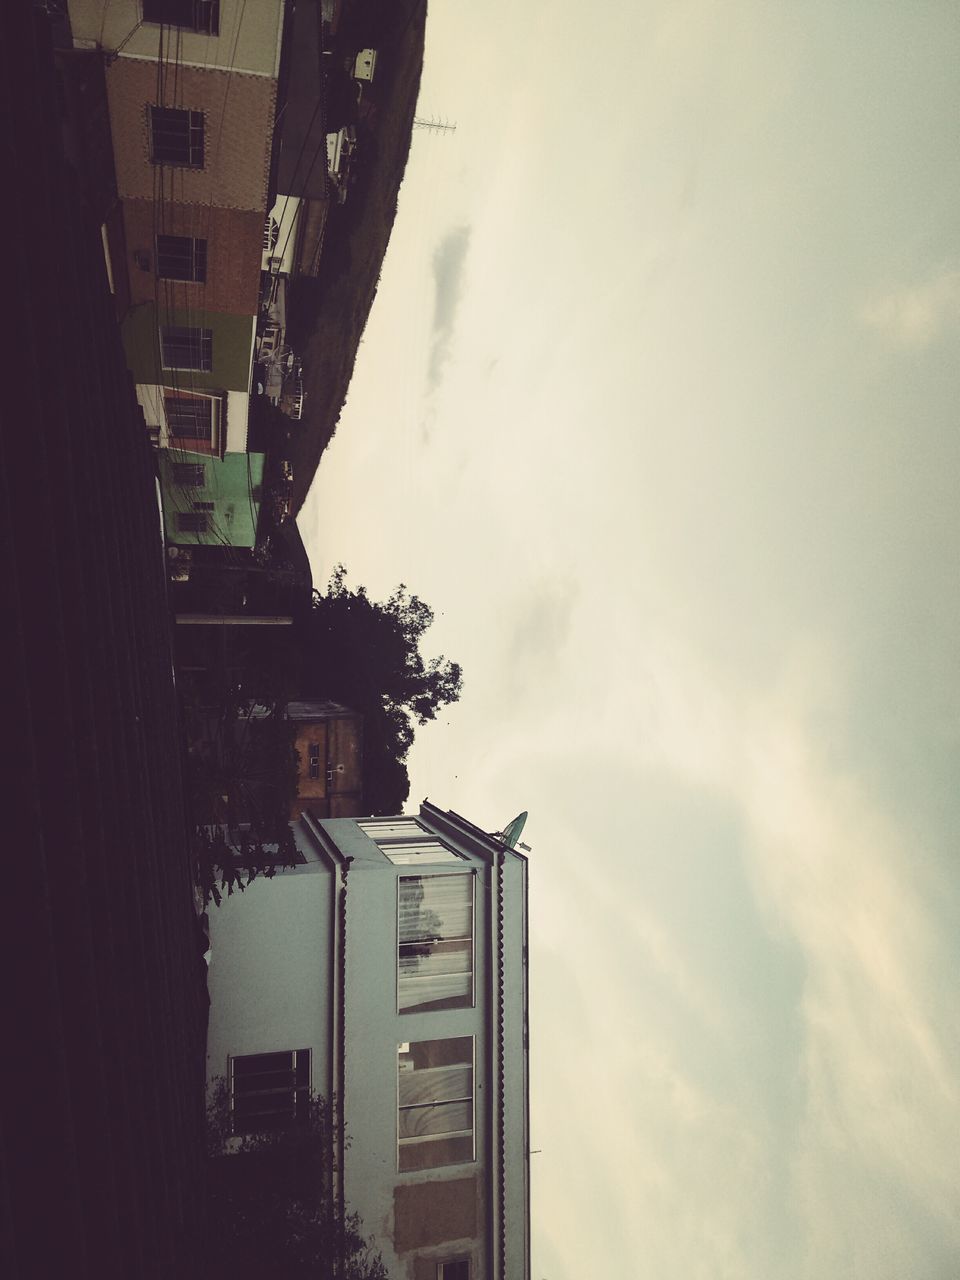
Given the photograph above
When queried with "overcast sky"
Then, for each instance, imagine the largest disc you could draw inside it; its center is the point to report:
(658, 408)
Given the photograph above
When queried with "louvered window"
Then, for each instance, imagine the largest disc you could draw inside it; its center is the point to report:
(269, 1090)
(435, 1103)
(434, 943)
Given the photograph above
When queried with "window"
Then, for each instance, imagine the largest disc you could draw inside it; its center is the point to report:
(435, 1103)
(189, 474)
(191, 522)
(192, 15)
(186, 347)
(204, 506)
(435, 943)
(409, 853)
(397, 839)
(181, 258)
(189, 418)
(455, 1269)
(176, 137)
(314, 760)
(392, 829)
(269, 1090)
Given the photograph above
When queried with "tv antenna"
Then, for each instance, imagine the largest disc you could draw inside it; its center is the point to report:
(433, 125)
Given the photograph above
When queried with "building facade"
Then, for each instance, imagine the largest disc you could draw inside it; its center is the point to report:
(389, 971)
(211, 502)
(191, 94)
(328, 740)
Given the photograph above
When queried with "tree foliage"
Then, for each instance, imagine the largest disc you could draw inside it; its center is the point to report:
(270, 1207)
(368, 655)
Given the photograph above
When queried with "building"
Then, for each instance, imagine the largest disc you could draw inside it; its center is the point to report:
(191, 93)
(388, 971)
(211, 502)
(328, 740)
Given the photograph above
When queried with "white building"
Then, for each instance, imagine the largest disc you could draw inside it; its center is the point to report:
(389, 971)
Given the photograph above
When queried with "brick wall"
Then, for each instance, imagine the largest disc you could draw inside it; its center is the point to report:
(234, 241)
(238, 115)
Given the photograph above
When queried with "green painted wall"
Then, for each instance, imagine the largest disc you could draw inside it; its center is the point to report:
(233, 484)
(232, 342)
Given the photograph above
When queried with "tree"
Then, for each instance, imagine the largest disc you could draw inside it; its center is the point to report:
(367, 655)
(271, 1211)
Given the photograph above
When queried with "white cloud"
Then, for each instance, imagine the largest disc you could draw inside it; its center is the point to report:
(916, 315)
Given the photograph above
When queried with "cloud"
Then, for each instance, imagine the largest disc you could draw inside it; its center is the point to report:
(448, 264)
(915, 316)
(760, 1072)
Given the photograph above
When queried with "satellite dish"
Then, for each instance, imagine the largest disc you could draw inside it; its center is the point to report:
(513, 830)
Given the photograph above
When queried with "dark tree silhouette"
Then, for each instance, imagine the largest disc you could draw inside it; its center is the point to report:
(367, 655)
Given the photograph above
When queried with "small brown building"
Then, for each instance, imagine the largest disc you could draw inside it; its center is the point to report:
(329, 743)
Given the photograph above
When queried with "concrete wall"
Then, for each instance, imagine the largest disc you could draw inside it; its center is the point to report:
(233, 338)
(238, 130)
(234, 243)
(150, 396)
(516, 1116)
(232, 484)
(269, 976)
(373, 1031)
(249, 38)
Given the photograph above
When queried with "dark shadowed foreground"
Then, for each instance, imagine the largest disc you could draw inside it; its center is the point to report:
(101, 1147)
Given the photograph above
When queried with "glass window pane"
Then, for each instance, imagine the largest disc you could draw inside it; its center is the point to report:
(441, 1118)
(435, 1153)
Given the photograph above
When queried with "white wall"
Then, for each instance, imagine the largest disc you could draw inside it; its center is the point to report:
(269, 978)
(150, 397)
(374, 1030)
(249, 39)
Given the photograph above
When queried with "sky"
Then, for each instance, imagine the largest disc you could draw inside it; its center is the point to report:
(658, 408)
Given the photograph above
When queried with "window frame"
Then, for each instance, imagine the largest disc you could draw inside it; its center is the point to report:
(192, 442)
(171, 123)
(473, 1109)
(204, 347)
(451, 1262)
(472, 1002)
(196, 522)
(407, 853)
(370, 825)
(189, 263)
(206, 16)
(188, 475)
(301, 1059)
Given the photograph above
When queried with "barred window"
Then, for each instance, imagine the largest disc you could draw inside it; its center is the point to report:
(189, 418)
(190, 475)
(191, 522)
(192, 15)
(176, 137)
(181, 258)
(183, 347)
